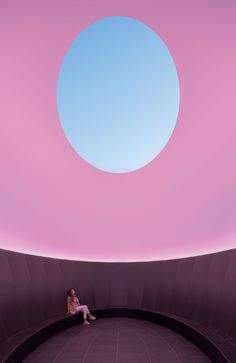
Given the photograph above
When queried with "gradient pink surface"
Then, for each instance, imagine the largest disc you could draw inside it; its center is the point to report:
(55, 204)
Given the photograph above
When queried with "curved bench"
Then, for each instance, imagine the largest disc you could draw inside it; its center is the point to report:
(22, 344)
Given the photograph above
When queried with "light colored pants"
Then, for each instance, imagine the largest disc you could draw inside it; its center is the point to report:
(84, 309)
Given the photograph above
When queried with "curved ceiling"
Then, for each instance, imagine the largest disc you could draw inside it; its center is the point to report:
(53, 203)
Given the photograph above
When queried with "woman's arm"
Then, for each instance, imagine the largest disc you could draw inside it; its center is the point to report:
(68, 304)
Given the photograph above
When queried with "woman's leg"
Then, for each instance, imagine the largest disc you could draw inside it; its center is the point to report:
(91, 317)
(84, 309)
(86, 312)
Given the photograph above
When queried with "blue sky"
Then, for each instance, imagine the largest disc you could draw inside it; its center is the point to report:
(118, 94)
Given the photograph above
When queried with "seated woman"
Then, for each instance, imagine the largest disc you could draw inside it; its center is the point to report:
(74, 306)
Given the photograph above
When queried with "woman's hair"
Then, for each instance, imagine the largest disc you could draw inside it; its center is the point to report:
(69, 291)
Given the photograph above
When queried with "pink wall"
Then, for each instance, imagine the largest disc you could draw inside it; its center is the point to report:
(53, 203)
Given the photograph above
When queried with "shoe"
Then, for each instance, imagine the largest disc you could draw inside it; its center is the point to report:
(86, 322)
(91, 317)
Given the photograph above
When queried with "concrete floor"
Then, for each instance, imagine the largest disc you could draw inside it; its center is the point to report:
(117, 340)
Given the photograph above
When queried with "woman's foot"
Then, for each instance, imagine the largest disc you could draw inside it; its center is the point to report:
(91, 317)
(86, 322)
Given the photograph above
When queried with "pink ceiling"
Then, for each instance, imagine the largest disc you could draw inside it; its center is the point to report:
(53, 203)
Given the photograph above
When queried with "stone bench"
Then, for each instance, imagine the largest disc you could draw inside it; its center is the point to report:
(16, 348)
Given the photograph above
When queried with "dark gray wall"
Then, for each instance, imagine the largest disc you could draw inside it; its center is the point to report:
(200, 289)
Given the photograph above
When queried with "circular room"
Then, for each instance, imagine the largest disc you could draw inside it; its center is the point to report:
(118, 184)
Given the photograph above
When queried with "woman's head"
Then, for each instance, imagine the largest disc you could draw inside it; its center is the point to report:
(71, 292)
